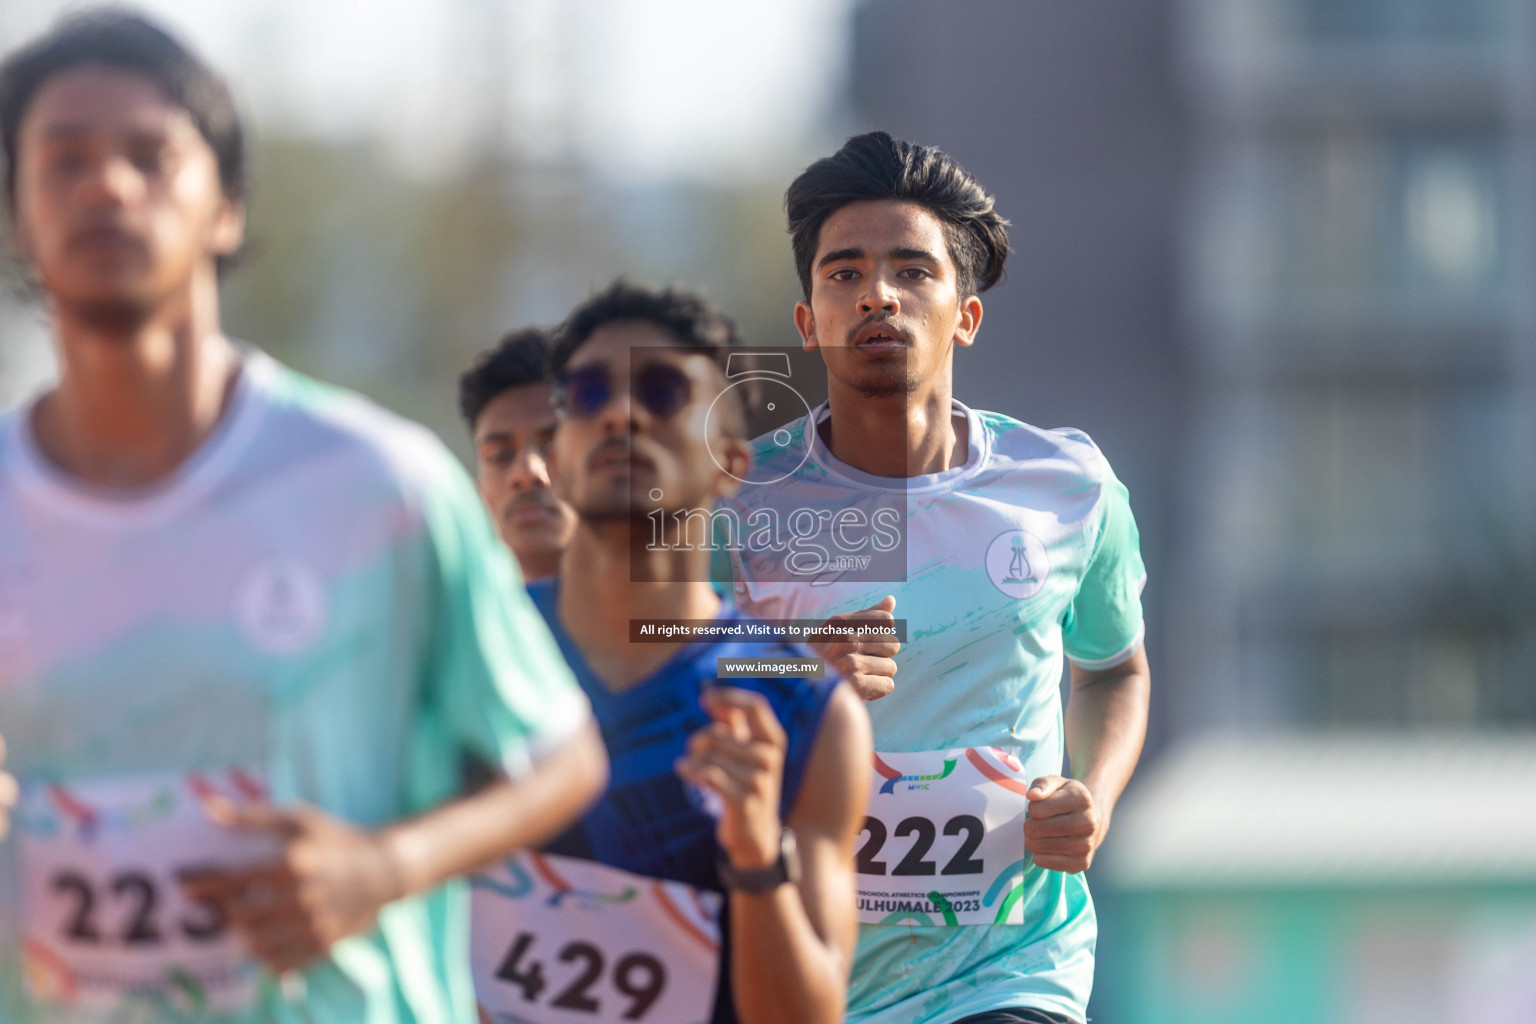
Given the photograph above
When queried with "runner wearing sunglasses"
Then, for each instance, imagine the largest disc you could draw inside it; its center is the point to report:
(247, 621)
(713, 880)
(1019, 547)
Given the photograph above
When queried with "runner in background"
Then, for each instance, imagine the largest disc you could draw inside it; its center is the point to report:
(1019, 547)
(506, 401)
(713, 881)
(251, 619)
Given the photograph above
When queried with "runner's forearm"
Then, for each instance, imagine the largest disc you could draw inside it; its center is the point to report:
(1106, 722)
(781, 970)
(466, 833)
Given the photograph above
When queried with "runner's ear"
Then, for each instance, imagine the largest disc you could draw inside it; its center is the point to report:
(735, 456)
(805, 323)
(970, 321)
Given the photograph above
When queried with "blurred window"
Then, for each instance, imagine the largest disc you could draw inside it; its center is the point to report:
(1405, 20)
(1444, 674)
(1400, 466)
(1408, 210)
(1405, 593)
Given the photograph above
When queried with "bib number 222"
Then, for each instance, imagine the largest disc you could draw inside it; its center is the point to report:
(915, 861)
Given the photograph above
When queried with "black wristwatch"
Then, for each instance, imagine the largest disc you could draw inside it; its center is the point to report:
(785, 869)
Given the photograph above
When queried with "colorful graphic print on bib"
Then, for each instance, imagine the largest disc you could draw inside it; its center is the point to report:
(106, 922)
(944, 839)
(557, 940)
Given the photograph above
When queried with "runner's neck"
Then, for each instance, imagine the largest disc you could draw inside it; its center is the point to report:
(859, 432)
(133, 405)
(598, 597)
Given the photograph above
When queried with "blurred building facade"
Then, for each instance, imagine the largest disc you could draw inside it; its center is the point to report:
(1358, 250)
(1070, 116)
(1277, 257)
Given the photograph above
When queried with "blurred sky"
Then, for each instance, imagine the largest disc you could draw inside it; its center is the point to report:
(634, 89)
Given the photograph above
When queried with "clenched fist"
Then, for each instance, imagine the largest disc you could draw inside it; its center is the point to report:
(866, 662)
(1064, 827)
(329, 882)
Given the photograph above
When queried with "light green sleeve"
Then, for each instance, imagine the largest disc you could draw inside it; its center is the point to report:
(494, 673)
(1103, 626)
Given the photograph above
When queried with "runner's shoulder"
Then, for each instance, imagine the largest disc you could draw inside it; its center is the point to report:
(309, 419)
(1013, 441)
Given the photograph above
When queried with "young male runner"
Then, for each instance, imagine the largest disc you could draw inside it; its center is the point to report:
(622, 917)
(249, 620)
(506, 399)
(1019, 546)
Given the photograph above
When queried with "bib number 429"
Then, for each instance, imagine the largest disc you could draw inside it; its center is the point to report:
(639, 977)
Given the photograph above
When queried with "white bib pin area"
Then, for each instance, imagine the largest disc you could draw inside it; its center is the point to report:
(558, 940)
(944, 839)
(105, 920)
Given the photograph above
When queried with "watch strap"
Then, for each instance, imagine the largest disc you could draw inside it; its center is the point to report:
(761, 880)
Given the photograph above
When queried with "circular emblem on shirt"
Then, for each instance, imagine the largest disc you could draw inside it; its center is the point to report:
(1017, 564)
(281, 607)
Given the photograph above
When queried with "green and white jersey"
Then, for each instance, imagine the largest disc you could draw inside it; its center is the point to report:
(1025, 553)
(314, 608)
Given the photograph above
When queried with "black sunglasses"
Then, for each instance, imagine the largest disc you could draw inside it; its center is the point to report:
(661, 389)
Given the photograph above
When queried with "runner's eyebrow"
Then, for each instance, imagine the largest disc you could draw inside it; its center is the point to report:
(837, 255)
(66, 130)
(913, 254)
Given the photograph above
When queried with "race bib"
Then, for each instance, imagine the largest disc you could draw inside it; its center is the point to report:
(105, 920)
(556, 940)
(944, 840)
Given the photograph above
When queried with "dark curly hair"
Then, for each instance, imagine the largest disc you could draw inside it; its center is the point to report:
(687, 317)
(876, 165)
(124, 41)
(692, 322)
(520, 358)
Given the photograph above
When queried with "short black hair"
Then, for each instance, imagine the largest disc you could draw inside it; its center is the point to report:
(687, 317)
(520, 358)
(875, 166)
(125, 41)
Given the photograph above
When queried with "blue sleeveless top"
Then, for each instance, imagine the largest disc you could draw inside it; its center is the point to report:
(646, 821)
